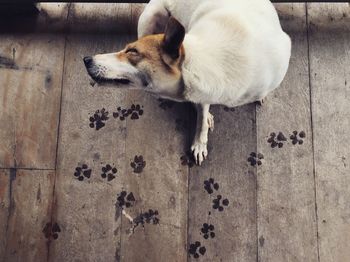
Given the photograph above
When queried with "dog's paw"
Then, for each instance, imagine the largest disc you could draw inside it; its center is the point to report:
(200, 152)
(210, 121)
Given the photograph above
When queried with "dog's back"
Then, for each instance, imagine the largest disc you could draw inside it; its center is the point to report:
(243, 52)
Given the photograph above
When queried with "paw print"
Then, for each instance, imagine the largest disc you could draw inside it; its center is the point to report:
(150, 217)
(217, 203)
(196, 246)
(121, 113)
(98, 119)
(138, 164)
(165, 104)
(82, 171)
(227, 109)
(125, 200)
(136, 111)
(297, 140)
(208, 185)
(51, 230)
(208, 230)
(277, 140)
(108, 172)
(254, 158)
(187, 159)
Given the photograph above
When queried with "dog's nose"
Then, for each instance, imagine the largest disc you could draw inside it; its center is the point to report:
(88, 61)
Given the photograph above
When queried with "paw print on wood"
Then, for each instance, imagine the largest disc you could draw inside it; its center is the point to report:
(196, 249)
(51, 230)
(138, 164)
(135, 111)
(125, 200)
(210, 185)
(255, 159)
(109, 172)
(98, 119)
(208, 231)
(219, 203)
(187, 159)
(297, 138)
(82, 172)
(149, 217)
(277, 141)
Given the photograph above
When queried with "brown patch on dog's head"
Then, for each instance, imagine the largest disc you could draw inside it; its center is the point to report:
(152, 62)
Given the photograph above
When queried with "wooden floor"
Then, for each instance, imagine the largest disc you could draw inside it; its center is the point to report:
(74, 171)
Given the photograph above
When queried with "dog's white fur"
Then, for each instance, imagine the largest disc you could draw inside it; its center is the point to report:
(236, 53)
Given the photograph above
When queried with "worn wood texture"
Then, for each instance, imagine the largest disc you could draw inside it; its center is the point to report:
(159, 135)
(231, 143)
(329, 34)
(287, 228)
(25, 211)
(85, 210)
(30, 78)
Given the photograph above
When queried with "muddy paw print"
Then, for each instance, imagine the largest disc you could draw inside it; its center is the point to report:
(277, 140)
(255, 159)
(82, 171)
(209, 185)
(125, 200)
(297, 138)
(149, 217)
(98, 119)
(138, 164)
(136, 112)
(51, 230)
(122, 113)
(219, 203)
(108, 172)
(187, 159)
(208, 231)
(196, 249)
(165, 104)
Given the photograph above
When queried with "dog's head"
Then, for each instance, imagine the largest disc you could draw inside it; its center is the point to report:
(152, 63)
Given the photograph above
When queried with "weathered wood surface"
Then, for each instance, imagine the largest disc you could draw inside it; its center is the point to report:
(30, 81)
(287, 229)
(329, 36)
(231, 143)
(25, 199)
(162, 184)
(85, 210)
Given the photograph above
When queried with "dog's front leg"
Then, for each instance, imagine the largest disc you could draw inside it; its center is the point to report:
(205, 121)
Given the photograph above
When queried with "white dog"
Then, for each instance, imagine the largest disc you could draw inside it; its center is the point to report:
(229, 52)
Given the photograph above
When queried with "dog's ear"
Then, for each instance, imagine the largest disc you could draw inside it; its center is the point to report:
(173, 37)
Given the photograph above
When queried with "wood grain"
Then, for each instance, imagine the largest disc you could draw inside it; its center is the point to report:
(30, 79)
(26, 215)
(162, 184)
(233, 139)
(329, 33)
(286, 202)
(85, 210)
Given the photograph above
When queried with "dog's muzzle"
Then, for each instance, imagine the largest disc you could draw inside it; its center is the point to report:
(94, 73)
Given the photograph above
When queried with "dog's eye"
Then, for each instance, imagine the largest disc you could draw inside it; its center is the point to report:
(132, 50)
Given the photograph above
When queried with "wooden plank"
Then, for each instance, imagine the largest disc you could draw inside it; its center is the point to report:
(329, 27)
(233, 139)
(85, 210)
(4, 209)
(286, 202)
(161, 185)
(30, 77)
(29, 198)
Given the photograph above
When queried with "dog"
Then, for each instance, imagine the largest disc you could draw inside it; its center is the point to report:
(228, 52)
